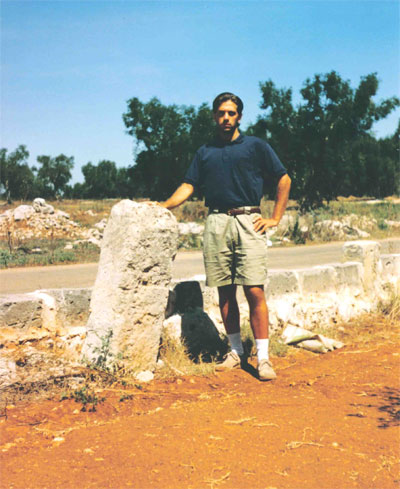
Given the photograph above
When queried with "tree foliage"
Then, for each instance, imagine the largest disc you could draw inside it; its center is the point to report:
(53, 175)
(326, 141)
(16, 177)
(105, 180)
(166, 139)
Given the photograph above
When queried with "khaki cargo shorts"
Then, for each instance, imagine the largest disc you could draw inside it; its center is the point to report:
(234, 253)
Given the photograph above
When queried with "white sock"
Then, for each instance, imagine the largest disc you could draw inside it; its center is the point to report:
(236, 343)
(262, 349)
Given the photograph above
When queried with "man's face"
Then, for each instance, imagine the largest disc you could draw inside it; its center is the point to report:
(227, 117)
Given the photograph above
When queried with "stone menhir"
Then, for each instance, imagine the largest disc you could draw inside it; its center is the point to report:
(130, 294)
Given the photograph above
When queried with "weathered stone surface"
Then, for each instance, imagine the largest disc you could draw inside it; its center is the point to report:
(282, 282)
(190, 228)
(29, 365)
(72, 305)
(8, 370)
(283, 308)
(40, 205)
(15, 336)
(316, 280)
(131, 289)
(349, 276)
(393, 246)
(390, 265)
(391, 273)
(145, 376)
(20, 311)
(172, 327)
(23, 212)
(367, 253)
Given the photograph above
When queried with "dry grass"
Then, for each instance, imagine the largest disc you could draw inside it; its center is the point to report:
(86, 212)
(379, 327)
(175, 361)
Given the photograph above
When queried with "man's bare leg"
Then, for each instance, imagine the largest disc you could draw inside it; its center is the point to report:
(229, 308)
(231, 318)
(260, 325)
(258, 310)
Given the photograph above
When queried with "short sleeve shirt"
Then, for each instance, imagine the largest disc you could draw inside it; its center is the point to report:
(232, 174)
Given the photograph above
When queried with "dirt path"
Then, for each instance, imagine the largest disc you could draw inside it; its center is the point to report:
(329, 421)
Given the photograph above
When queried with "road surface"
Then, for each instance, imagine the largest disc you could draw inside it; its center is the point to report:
(187, 264)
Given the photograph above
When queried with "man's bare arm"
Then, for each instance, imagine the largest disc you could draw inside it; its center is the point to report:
(181, 194)
(282, 196)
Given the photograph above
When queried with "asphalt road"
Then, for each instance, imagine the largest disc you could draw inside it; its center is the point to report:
(187, 264)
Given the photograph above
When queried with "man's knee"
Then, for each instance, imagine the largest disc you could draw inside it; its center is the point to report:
(254, 294)
(227, 293)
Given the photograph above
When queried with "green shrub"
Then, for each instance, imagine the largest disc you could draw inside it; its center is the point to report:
(5, 257)
(86, 397)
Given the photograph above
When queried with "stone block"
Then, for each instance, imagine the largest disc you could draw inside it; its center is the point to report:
(282, 308)
(368, 254)
(317, 280)
(390, 266)
(282, 282)
(72, 305)
(20, 311)
(392, 246)
(349, 275)
(210, 297)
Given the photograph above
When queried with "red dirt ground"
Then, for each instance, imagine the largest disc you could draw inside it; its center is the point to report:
(329, 421)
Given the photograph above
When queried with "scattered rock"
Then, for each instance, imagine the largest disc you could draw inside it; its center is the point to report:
(145, 376)
(23, 212)
(392, 224)
(37, 221)
(40, 205)
(190, 228)
(337, 230)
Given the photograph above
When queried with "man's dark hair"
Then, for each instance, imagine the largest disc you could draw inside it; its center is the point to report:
(223, 97)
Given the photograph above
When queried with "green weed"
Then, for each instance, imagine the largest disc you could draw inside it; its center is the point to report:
(297, 236)
(5, 258)
(277, 347)
(86, 397)
(126, 397)
(105, 356)
(42, 252)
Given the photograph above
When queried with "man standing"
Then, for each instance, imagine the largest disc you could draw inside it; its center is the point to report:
(231, 171)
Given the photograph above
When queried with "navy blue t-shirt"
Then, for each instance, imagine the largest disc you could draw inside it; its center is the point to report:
(232, 174)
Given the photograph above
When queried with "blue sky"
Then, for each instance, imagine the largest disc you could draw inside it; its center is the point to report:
(68, 67)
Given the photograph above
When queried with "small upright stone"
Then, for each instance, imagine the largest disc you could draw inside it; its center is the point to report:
(368, 254)
(131, 289)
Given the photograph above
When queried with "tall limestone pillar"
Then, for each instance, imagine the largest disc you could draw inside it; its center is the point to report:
(131, 289)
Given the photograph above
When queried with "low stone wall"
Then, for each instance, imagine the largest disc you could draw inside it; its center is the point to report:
(311, 298)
